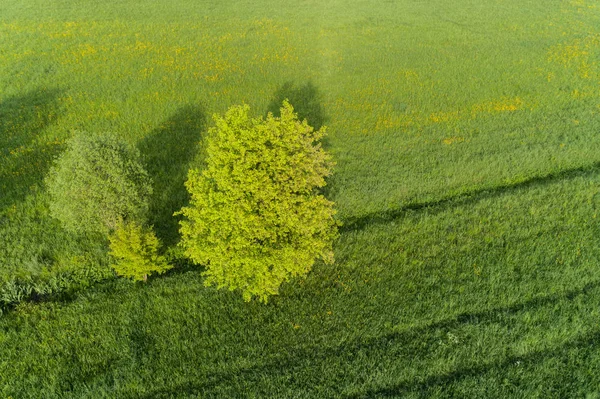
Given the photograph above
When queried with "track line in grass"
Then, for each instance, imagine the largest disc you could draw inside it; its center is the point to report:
(442, 380)
(296, 358)
(359, 223)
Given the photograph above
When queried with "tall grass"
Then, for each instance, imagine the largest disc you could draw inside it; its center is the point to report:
(465, 135)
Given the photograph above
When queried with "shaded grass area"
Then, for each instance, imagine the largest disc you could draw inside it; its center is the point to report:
(305, 99)
(511, 308)
(37, 257)
(391, 347)
(26, 154)
(168, 152)
(357, 223)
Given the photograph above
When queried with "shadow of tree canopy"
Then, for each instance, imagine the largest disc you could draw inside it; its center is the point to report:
(25, 158)
(382, 217)
(305, 99)
(168, 152)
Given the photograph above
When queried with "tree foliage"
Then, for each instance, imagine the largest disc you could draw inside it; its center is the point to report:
(134, 250)
(256, 218)
(98, 182)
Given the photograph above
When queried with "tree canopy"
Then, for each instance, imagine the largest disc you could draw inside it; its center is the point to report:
(97, 183)
(256, 217)
(134, 250)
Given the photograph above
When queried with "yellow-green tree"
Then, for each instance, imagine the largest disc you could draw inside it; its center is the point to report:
(256, 217)
(134, 250)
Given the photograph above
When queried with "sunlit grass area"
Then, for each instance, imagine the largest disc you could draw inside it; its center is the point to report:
(467, 178)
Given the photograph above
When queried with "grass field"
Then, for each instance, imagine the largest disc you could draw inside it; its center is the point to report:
(466, 136)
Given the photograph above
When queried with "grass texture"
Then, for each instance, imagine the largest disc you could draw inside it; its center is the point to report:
(468, 180)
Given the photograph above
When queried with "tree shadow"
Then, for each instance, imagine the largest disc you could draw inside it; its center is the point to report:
(168, 152)
(25, 158)
(418, 385)
(306, 102)
(423, 386)
(411, 341)
(382, 217)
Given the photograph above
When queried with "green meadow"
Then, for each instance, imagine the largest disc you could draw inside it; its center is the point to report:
(466, 136)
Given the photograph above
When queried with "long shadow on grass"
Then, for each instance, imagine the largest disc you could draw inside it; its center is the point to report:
(440, 380)
(25, 161)
(168, 152)
(305, 99)
(412, 341)
(359, 223)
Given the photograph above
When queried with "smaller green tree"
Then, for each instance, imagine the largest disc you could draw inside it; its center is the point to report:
(256, 217)
(134, 250)
(97, 182)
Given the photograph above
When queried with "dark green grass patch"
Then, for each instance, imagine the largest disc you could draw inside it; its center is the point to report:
(23, 119)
